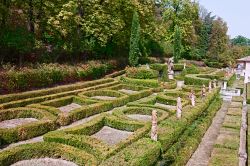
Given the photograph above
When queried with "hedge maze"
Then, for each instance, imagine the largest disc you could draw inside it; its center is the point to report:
(119, 111)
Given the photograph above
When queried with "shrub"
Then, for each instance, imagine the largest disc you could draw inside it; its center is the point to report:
(192, 70)
(50, 74)
(44, 149)
(143, 152)
(141, 73)
(47, 122)
(134, 50)
(147, 83)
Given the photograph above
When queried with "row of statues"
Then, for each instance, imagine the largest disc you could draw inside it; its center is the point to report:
(192, 97)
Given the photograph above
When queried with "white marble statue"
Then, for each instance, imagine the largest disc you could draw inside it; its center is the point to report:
(214, 84)
(170, 68)
(203, 92)
(154, 126)
(179, 108)
(224, 85)
(210, 87)
(192, 98)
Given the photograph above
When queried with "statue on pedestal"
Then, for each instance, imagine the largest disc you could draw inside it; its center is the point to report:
(192, 97)
(154, 126)
(170, 68)
(210, 87)
(214, 84)
(203, 92)
(179, 108)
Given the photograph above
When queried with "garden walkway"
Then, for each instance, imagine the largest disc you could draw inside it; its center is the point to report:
(203, 153)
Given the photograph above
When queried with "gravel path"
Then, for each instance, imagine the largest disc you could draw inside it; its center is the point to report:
(203, 152)
(104, 97)
(144, 118)
(44, 162)
(128, 91)
(70, 107)
(111, 136)
(7, 124)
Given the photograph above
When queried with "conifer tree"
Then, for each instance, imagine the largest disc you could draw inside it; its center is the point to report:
(134, 51)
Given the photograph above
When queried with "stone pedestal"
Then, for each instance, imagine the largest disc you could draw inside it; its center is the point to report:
(224, 85)
(154, 126)
(179, 108)
(210, 87)
(171, 75)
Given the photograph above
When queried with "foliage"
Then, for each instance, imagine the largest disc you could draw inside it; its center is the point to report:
(50, 74)
(141, 73)
(177, 44)
(134, 51)
(241, 41)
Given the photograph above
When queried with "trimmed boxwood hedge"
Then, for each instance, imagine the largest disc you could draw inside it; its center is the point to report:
(141, 153)
(141, 73)
(123, 112)
(171, 128)
(47, 122)
(200, 79)
(79, 136)
(162, 69)
(182, 150)
(147, 83)
(49, 91)
(27, 101)
(43, 150)
(248, 93)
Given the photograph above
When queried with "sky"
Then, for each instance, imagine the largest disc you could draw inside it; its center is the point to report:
(235, 12)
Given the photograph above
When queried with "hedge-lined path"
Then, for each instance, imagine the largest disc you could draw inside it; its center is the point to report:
(202, 154)
(44, 162)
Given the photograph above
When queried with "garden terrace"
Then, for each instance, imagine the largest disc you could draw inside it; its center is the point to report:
(227, 145)
(79, 122)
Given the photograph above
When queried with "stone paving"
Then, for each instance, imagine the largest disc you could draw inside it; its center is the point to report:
(44, 162)
(111, 136)
(16, 122)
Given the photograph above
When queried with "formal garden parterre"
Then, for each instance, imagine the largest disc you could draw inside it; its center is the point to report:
(121, 106)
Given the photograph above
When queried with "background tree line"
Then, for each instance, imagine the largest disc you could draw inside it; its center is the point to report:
(76, 30)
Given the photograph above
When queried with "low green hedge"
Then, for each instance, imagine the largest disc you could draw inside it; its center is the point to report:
(147, 83)
(192, 70)
(141, 73)
(231, 80)
(182, 150)
(115, 74)
(248, 93)
(162, 69)
(199, 79)
(141, 153)
(43, 150)
(38, 99)
(171, 128)
(123, 112)
(178, 67)
(172, 84)
(80, 136)
(46, 122)
(50, 74)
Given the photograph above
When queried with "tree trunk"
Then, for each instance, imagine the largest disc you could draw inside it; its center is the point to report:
(31, 24)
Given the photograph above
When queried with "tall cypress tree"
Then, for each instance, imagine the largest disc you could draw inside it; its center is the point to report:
(177, 44)
(134, 51)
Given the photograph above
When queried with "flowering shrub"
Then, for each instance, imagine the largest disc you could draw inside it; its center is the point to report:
(44, 75)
